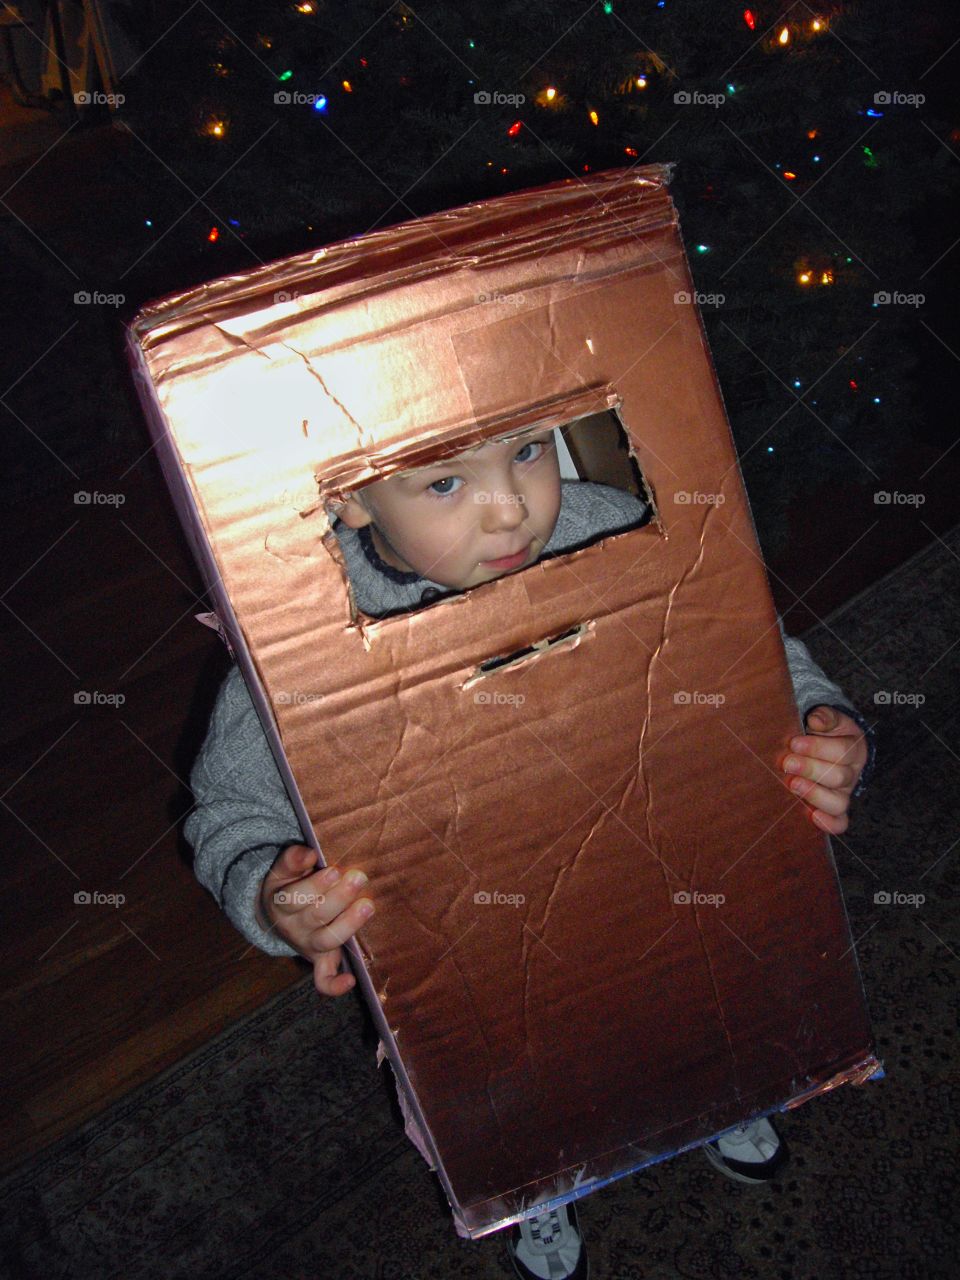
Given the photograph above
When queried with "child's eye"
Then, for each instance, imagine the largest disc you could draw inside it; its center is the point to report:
(525, 456)
(449, 484)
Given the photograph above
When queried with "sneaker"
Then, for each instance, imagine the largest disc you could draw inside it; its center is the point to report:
(750, 1153)
(549, 1247)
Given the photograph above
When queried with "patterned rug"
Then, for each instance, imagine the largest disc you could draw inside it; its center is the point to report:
(277, 1153)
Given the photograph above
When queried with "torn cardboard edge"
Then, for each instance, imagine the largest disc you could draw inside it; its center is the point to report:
(868, 1069)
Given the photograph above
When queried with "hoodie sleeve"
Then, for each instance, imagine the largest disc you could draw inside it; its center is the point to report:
(812, 688)
(243, 816)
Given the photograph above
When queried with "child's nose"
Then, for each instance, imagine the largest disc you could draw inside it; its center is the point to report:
(504, 510)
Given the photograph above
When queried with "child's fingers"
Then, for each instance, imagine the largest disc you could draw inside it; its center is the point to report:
(831, 824)
(327, 978)
(295, 862)
(838, 776)
(836, 750)
(332, 933)
(325, 888)
(828, 800)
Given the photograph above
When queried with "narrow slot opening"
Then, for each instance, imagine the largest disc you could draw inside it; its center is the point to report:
(492, 666)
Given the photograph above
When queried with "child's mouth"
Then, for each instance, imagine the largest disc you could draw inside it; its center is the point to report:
(509, 562)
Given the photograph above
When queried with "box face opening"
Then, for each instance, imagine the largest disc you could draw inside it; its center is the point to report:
(594, 448)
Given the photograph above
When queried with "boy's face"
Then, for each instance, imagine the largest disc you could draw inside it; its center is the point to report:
(468, 519)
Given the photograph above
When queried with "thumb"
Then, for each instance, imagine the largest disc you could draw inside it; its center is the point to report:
(295, 862)
(823, 719)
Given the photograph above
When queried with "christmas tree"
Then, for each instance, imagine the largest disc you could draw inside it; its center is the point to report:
(804, 153)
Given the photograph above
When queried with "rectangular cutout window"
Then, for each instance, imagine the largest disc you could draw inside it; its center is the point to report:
(523, 486)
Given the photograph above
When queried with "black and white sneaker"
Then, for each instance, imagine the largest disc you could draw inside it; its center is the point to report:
(549, 1247)
(750, 1153)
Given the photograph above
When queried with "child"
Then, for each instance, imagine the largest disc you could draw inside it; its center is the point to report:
(408, 540)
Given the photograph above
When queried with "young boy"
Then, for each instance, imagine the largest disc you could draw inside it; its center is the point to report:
(408, 540)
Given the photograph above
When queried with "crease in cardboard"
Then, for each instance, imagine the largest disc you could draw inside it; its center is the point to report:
(711, 974)
(570, 866)
(238, 337)
(362, 443)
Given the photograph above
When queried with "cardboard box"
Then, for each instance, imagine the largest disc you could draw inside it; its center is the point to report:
(621, 1012)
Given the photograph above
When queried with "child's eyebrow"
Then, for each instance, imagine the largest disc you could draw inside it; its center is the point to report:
(446, 463)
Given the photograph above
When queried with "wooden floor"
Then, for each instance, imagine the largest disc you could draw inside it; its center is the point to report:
(98, 997)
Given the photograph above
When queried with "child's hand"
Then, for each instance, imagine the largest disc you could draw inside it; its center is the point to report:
(314, 914)
(826, 765)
